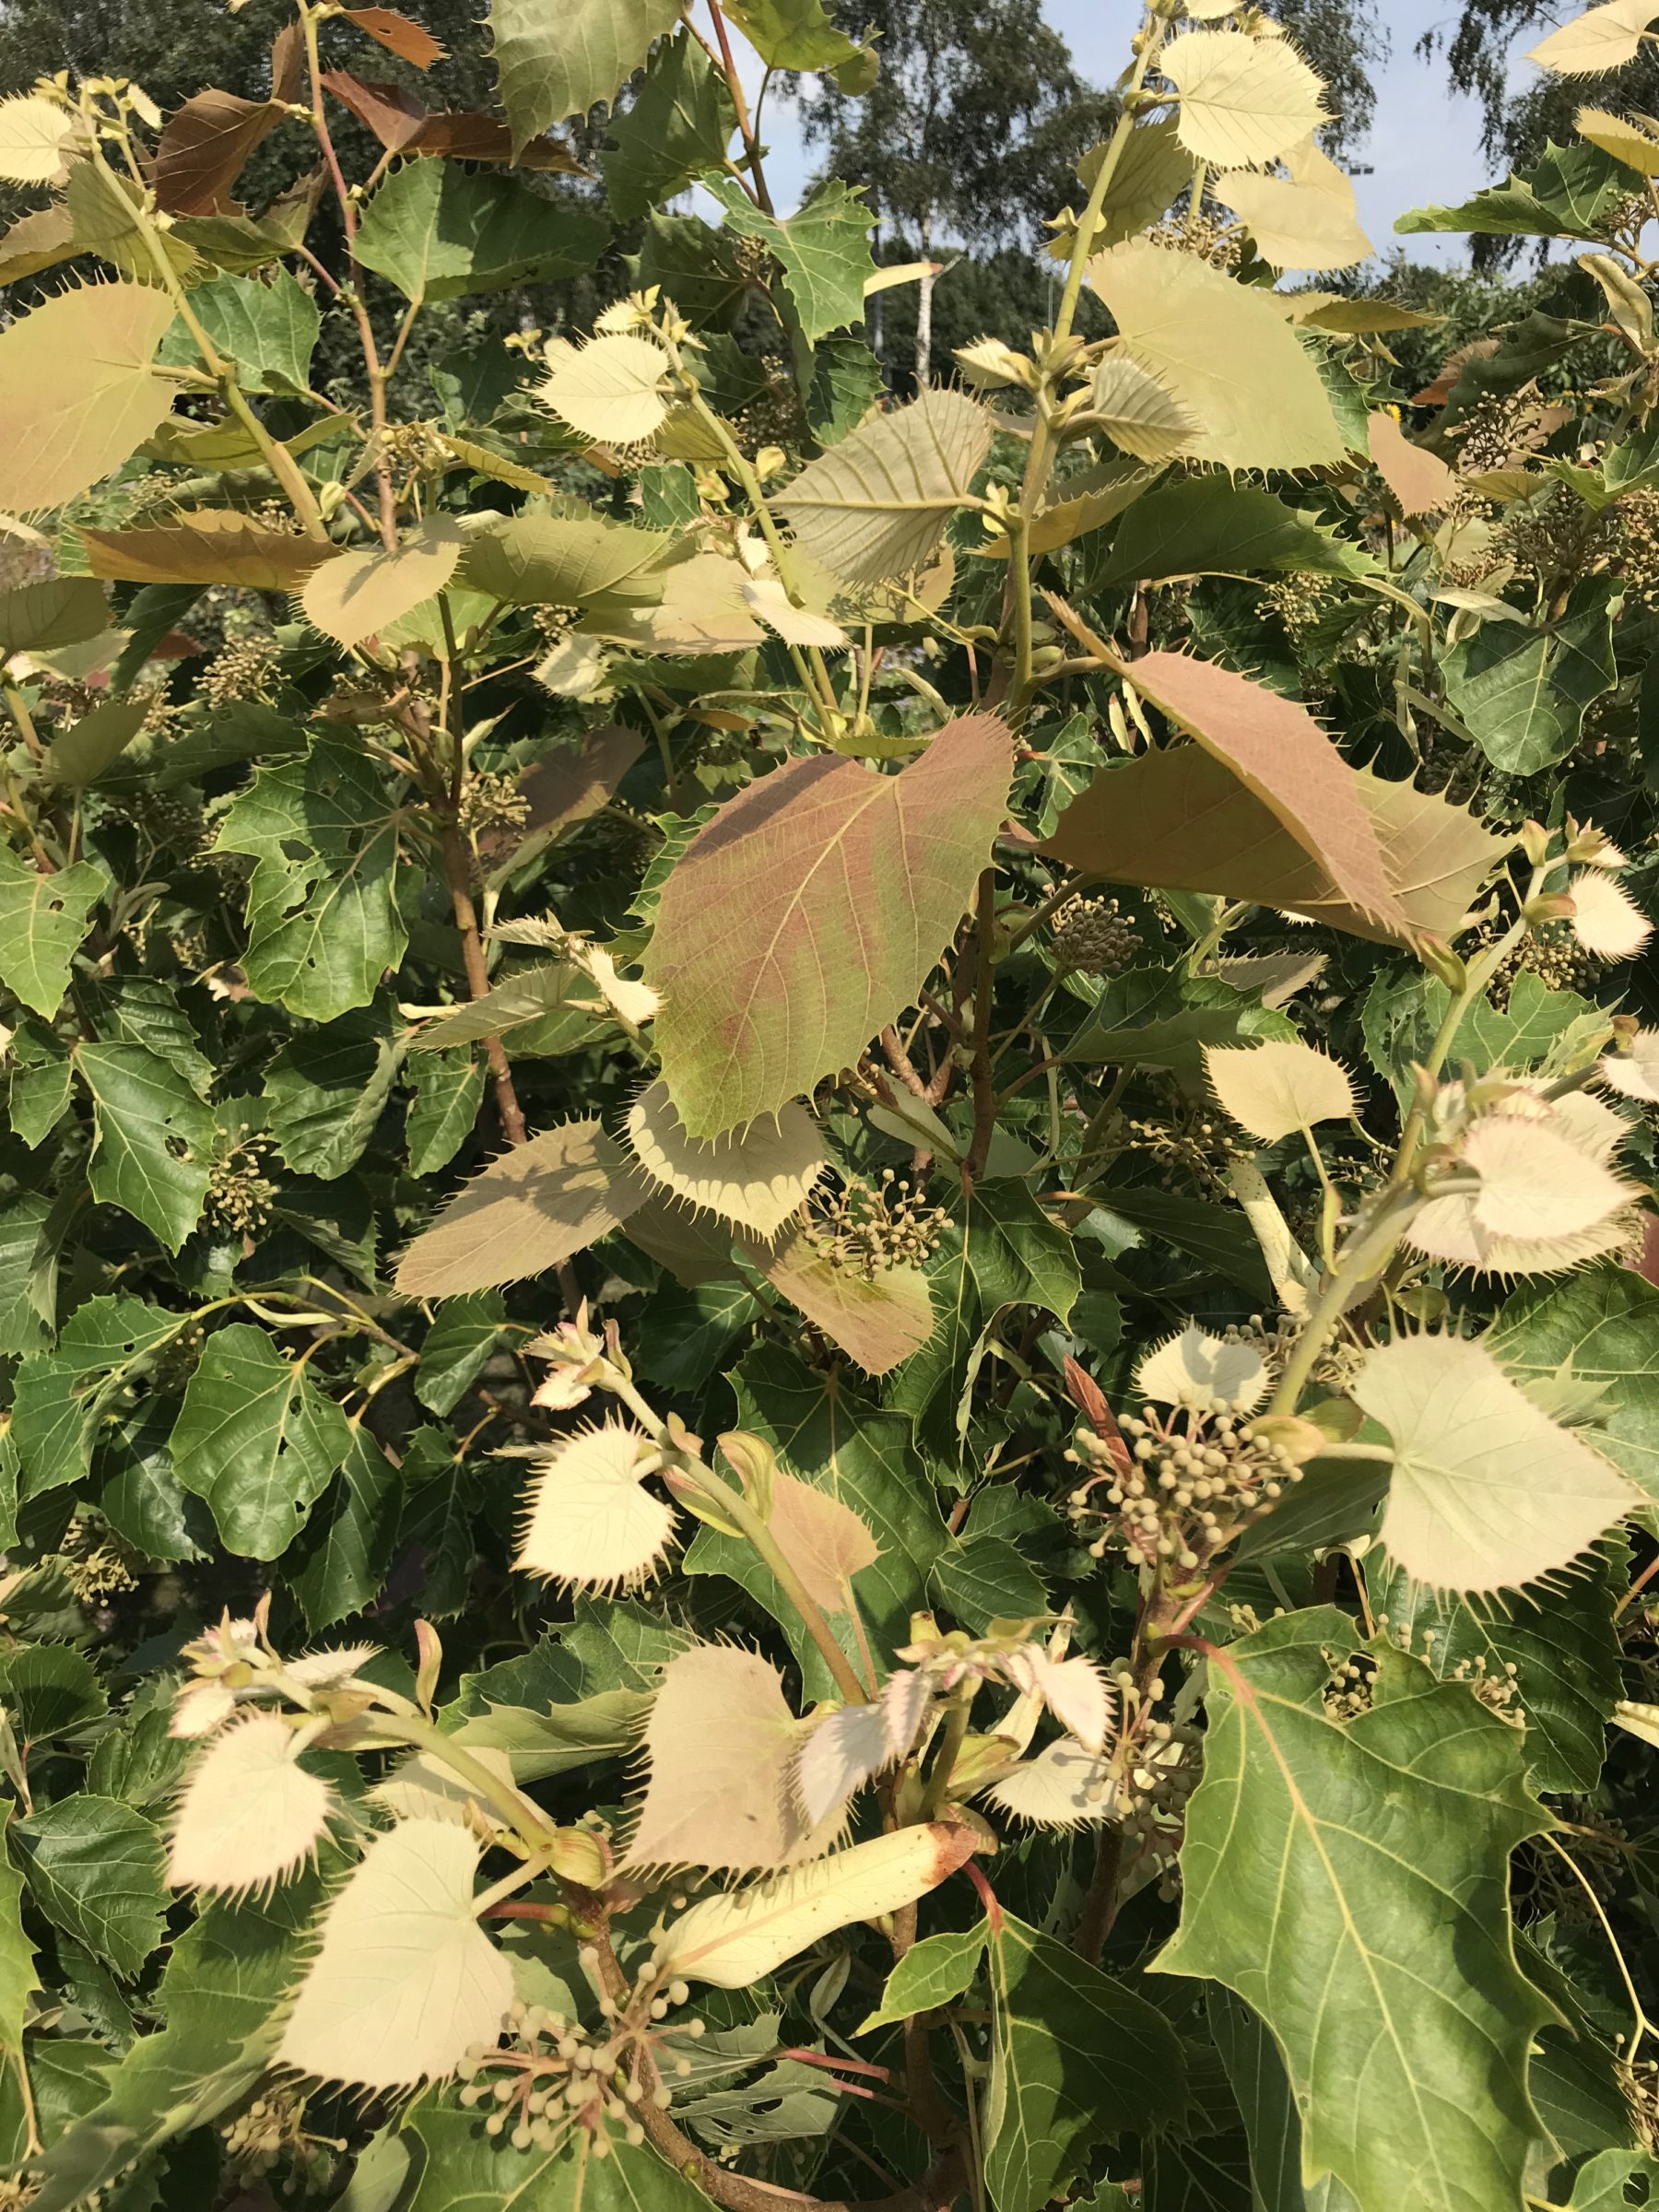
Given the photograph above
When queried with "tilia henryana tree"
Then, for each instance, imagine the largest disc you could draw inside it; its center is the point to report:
(830, 1372)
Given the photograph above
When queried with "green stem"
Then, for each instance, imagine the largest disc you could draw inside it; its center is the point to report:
(1367, 1253)
(422, 1736)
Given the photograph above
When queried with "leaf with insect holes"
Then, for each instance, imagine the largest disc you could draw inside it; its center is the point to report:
(1203, 1373)
(1274, 1089)
(403, 1981)
(208, 545)
(153, 1139)
(1606, 920)
(1225, 353)
(44, 918)
(1244, 101)
(847, 887)
(1378, 1846)
(1604, 38)
(589, 1520)
(757, 1178)
(1064, 1786)
(612, 390)
(1487, 1492)
(32, 133)
(251, 1816)
(734, 1940)
(553, 64)
(354, 596)
(1179, 818)
(527, 1211)
(77, 393)
(1419, 481)
(257, 1440)
(721, 1744)
(878, 504)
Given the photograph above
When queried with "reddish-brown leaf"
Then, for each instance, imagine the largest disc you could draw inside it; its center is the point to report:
(1279, 753)
(397, 34)
(464, 137)
(287, 64)
(394, 116)
(565, 789)
(806, 914)
(1419, 480)
(202, 150)
(1179, 819)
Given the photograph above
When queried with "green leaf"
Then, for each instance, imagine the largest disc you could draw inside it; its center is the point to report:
(1523, 692)
(437, 232)
(43, 920)
(1271, 2120)
(1076, 2058)
(823, 250)
(851, 882)
(540, 559)
(698, 266)
(19, 1979)
(23, 1246)
(257, 1440)
(877, 504)
(94, 1866)
(326, 1090)
(141, 1498)
(449, 1090)
(685, 1333)
(323, 919)
(59, 610)
(466, 2170)
(142, 1009)
(837, 1442)
(791, 34)
(557, 64)
(1217, 1235)
(620, 1644)
(49, 1690)
(1565, 195)
(53, 1411)
(269, 328)
(341, 1560)
(1600, 1328)
(1601, 2182)
(435, 1521)
(846, 379)
(80, 755)
(1150, 1018)
(153, 1142)
(456, 1347)
(930, 1973)
(1379, 1847)
(675, 130)
(979, 1578)
(221, 1993)
(560, 1738)
(1212, 527)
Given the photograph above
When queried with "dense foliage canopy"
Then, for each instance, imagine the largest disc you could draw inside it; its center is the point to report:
(827, 1294)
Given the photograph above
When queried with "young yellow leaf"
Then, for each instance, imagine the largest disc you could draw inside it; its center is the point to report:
(356, 595)
(1243, 101)
(766, 596)
(1274, 1089)
(1075, 1691)
(722, 1745)
(734, 1941)
(700, 607)
(589, 1520)
(1580, 1136)
(330, 1669)
(1138, 414)
(1602, 40)
(32, 132)
(249, 1816)
(1624, 139)
(1635, 1071)
(77, 393)
(1203, 1374)
(1225, 352)
(1487, 1492)
(405, 1981)
(876, 505)
(1535, 1185)
(846, 1748)
(1064, 1786)
(757, 1178)
(823, 1540)
(528, 1210)
(1606, 920)
(1295, 226)
(612, 390)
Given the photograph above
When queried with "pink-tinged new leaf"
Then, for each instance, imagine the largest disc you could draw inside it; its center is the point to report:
(1419, 481)
(806, 915)
(202, 151)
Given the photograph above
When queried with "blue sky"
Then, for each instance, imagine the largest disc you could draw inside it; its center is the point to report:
(1425, 145)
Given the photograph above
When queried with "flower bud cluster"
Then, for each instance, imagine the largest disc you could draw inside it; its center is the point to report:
(870, 1227)
(554, 2075)
(1188, 1483)
(1095, 939)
